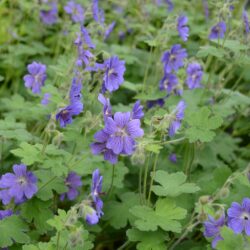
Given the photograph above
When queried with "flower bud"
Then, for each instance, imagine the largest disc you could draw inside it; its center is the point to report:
(57, 139)
(204, 199)
(224, 192)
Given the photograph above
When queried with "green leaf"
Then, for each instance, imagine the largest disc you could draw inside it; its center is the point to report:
(58, 222)
(165, 215)
(231, 240)
(202, 124)
(172, 184)
(147, 240)
(49, 183)
(28, 153)
(37, 211)
(114, 209)
(40, 246)
(10, 129)
(210, 50)
(13, 229)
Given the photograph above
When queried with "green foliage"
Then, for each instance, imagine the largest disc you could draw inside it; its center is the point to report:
(147, 240)
(13, 229)
(166, 216)
(231, 241)
(114, 210)
(172, 184)
(202, 124)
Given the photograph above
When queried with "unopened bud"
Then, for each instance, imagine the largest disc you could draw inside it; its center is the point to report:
(224, 192)
(57, 139)
(138, 158)
(204, 199)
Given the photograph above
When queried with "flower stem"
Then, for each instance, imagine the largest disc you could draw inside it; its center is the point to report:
(112, 181)
(152, 177)
(145, 178)
(57, 240)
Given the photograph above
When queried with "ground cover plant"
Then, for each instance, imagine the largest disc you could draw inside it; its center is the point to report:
(124, 124)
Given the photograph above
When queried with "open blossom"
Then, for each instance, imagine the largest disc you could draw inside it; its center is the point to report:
(175, 124)
(64, 116)
(36, 77)
(182, 27)
(194, 75)
(113, 75)
(99, 147)
(137, 112)
(212, 228)
(246, 21)
(170, 83)
(239, 217)
(73, 182)
(49, 17)
(5, 213)
(75, 10)
(122, 132)
(19, 186)
(174, 59)
(96, 191)
(107, 109)
(218, 31)
(109, 30)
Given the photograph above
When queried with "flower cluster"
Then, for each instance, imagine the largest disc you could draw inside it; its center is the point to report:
(119, 133)
(238, 220)
(218, 31)
(20, 186)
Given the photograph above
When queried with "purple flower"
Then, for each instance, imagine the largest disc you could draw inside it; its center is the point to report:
(84, 39)
(64, 116)
(218, 31)
(75, 10)
(212, 228)
(73, 181)
(178, 117)
(152, 103)
(239, 217)
(21, 185)
(170, 83)
(113, 76)
(107, 109)
(99, 147)
(205, 7)
(170, 5)
(246, 21)
(98, 15)
(75, 90)
(5, 213)
(91, 216)
(173, 59)
(194, 75)
(109, 30)
(45, 101)
(36, 77)
(137, 112)
(84, 57)
(96, 190)
(182, 28)
(49, 17)
(172, 158)
(122, 132)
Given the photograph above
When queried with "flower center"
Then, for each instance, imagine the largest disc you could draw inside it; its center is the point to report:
(22, 181)
(245, 216)
(172, 57)
(121, 132)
